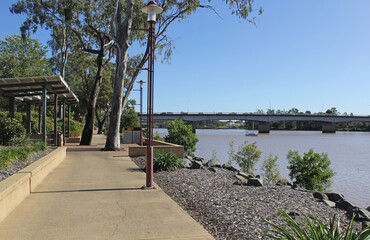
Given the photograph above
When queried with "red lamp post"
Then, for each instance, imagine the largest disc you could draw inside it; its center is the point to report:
(152, 9)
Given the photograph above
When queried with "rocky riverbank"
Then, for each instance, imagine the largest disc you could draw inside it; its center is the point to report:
(229, 208)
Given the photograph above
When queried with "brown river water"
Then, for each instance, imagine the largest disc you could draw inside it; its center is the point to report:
(349, 153)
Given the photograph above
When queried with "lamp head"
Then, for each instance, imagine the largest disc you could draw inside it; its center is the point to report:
(152, 9)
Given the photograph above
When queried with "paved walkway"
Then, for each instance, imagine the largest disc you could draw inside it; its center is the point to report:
(97, 195)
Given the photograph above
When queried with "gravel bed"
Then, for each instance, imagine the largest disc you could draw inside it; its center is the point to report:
(229, 211)
(5, 173)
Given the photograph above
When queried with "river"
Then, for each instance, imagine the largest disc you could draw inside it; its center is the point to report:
(349, 153)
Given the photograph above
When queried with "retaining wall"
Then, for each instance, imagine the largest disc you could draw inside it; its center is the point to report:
(17, 187)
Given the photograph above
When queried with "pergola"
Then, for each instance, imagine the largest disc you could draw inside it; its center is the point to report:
(39, 91)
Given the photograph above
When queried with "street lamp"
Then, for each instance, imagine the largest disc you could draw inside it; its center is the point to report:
(152, 9)
(141, 111)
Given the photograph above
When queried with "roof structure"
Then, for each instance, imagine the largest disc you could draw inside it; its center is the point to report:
(30, 88)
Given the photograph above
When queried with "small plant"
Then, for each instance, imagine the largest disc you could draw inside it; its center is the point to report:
(231, 153)
(181, 134)
(311, 171)
(157, 137)
(271, 169)
(247, 156)
(166, 161)
(314, 230)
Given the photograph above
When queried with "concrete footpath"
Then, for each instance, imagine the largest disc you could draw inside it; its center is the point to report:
(98, 195)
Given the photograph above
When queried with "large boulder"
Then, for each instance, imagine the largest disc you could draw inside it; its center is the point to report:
(229, 167)
(245, 175)
(328, 203)
(335, 197)
(255, 182)
(283, 182)
(186, 163)
(214, 162)
(196, 164)
(360, 214)
(320, 195)
(345, 205)
(189, 157)
(199, 159)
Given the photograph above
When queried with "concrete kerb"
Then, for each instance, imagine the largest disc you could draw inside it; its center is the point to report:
(17, 187)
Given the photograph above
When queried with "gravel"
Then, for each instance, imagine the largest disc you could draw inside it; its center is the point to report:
(5, 173)
(229, 211)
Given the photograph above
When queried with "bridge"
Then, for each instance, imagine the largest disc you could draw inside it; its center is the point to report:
(264, 120)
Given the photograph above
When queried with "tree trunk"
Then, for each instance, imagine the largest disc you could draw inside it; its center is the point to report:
(88, 131)
(100, 123)
(122, 33)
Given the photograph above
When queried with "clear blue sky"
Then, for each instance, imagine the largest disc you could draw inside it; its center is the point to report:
(309, 54)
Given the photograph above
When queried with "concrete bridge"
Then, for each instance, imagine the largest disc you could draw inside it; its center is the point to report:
(264, 120)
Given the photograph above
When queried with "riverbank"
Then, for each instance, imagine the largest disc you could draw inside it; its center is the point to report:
(230, 211)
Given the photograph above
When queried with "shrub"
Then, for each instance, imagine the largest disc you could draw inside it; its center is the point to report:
(247, 156)
(311, 171)
(314, 230)
(181, 134)
(11, 132)
(166, 161)
(271, 169)
(157, 137)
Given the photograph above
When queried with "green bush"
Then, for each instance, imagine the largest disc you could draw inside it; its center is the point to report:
(157, 137)
(314, 230)
(9, 155)
(11, 132)
(271, 169)
(181, 134)
(166, 161)
(246, 157)
(311, 171)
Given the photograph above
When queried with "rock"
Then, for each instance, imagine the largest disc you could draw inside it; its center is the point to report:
(255, 182)
(296, 216)
(245, 175)
(213, 169)
(360, 214)
(329, 203)
(241, 178)
(365, 224)
(199, 159)
(320, 195)
(345, 205)
(196, 164)
(189, 157)
(368, 208)
(214, 163)
(335, 197)
(283, 182)
(186, 163)
(229, 167)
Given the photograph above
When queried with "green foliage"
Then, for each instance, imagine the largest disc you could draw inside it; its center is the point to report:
(129, 115)
(22, 58)
(10, 155)
(246, 157)
(157, 137)
(311, 171)
(231, 153)
(11, 132)
(181, 134)
(314, 230)
(271, 169)
(166, 161)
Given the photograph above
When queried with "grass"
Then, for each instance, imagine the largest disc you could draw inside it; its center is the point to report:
(11, 155)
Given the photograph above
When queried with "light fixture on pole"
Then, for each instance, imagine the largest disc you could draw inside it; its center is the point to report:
(141, 112)
(152, 9)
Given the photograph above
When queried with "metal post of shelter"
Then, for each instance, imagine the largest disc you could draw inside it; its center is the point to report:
(69, 120)
(55, 119)
(44, 103)
(39, 118)
(28, 118)
(11, 107)
(64, 120)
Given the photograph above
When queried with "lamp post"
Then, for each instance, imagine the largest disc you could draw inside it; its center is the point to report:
(152, 9)
(141, 111)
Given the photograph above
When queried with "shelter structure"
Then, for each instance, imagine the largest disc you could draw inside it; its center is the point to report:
(40, 91)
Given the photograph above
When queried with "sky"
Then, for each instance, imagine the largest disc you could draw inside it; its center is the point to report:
(308, 54)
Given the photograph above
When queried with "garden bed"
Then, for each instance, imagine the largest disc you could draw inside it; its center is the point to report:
(230, 211)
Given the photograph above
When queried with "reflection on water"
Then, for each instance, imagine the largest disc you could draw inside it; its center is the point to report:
(349, 153)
